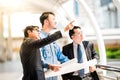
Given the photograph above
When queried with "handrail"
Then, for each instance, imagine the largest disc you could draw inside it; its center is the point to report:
(108, 67)
(108, 77)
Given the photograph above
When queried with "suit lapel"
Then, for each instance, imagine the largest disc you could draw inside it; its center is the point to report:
(85, 44)
(71, 51)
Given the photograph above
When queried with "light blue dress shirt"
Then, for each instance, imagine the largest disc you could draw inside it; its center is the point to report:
(51, 54)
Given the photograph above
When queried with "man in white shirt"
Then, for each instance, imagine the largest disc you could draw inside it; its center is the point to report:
(84, 52)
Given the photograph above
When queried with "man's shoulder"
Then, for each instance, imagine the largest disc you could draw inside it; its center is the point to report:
(85, 41)
(68, 45)
(43, 34)
(27, 40)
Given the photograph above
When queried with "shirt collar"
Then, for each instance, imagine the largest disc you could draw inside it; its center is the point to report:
(76, 44)
(44, 33)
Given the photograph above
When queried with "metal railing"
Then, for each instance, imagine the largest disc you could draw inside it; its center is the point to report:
(108, 68)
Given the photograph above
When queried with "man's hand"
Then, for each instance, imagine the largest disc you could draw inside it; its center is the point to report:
(92, 68)
(54, 67)
(69, 26)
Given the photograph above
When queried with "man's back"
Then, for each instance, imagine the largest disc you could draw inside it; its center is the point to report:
(29, 58)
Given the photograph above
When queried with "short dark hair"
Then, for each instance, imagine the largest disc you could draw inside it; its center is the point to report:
(31, 27)
(71, 32)
(45, 16)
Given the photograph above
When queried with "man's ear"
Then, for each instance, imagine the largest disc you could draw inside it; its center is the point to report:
(72, 37)
(28, 31)
(46, 21)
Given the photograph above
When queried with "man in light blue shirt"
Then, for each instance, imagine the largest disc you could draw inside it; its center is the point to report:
(51, 53)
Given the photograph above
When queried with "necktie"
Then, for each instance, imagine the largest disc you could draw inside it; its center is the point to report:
(80, 72)
(79, 54)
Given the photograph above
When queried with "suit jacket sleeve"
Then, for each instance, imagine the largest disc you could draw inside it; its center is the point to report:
(94, 54)
(45, 41)
(91, 54)
(90, 51)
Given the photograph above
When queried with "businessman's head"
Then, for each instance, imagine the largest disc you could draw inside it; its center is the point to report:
(76, 34)
(31, 32)
(48, 20)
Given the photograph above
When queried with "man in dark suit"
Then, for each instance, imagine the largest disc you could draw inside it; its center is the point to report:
(30, 54)
(87, 53)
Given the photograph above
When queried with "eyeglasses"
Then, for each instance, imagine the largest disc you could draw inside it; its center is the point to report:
(36, 30)
(77, 34)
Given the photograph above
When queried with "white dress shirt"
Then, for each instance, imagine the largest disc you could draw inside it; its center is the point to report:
(84, 57)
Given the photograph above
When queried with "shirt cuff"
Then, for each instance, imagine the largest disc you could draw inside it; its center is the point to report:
(46, 66)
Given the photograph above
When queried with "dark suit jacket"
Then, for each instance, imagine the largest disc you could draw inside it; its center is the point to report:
(90, 53)
(30, 56)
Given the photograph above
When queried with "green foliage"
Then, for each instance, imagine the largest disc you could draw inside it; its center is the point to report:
(113, 53)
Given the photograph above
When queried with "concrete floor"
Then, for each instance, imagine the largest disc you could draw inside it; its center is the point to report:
(12, 70)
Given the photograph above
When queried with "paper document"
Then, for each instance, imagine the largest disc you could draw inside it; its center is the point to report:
(70, 66)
